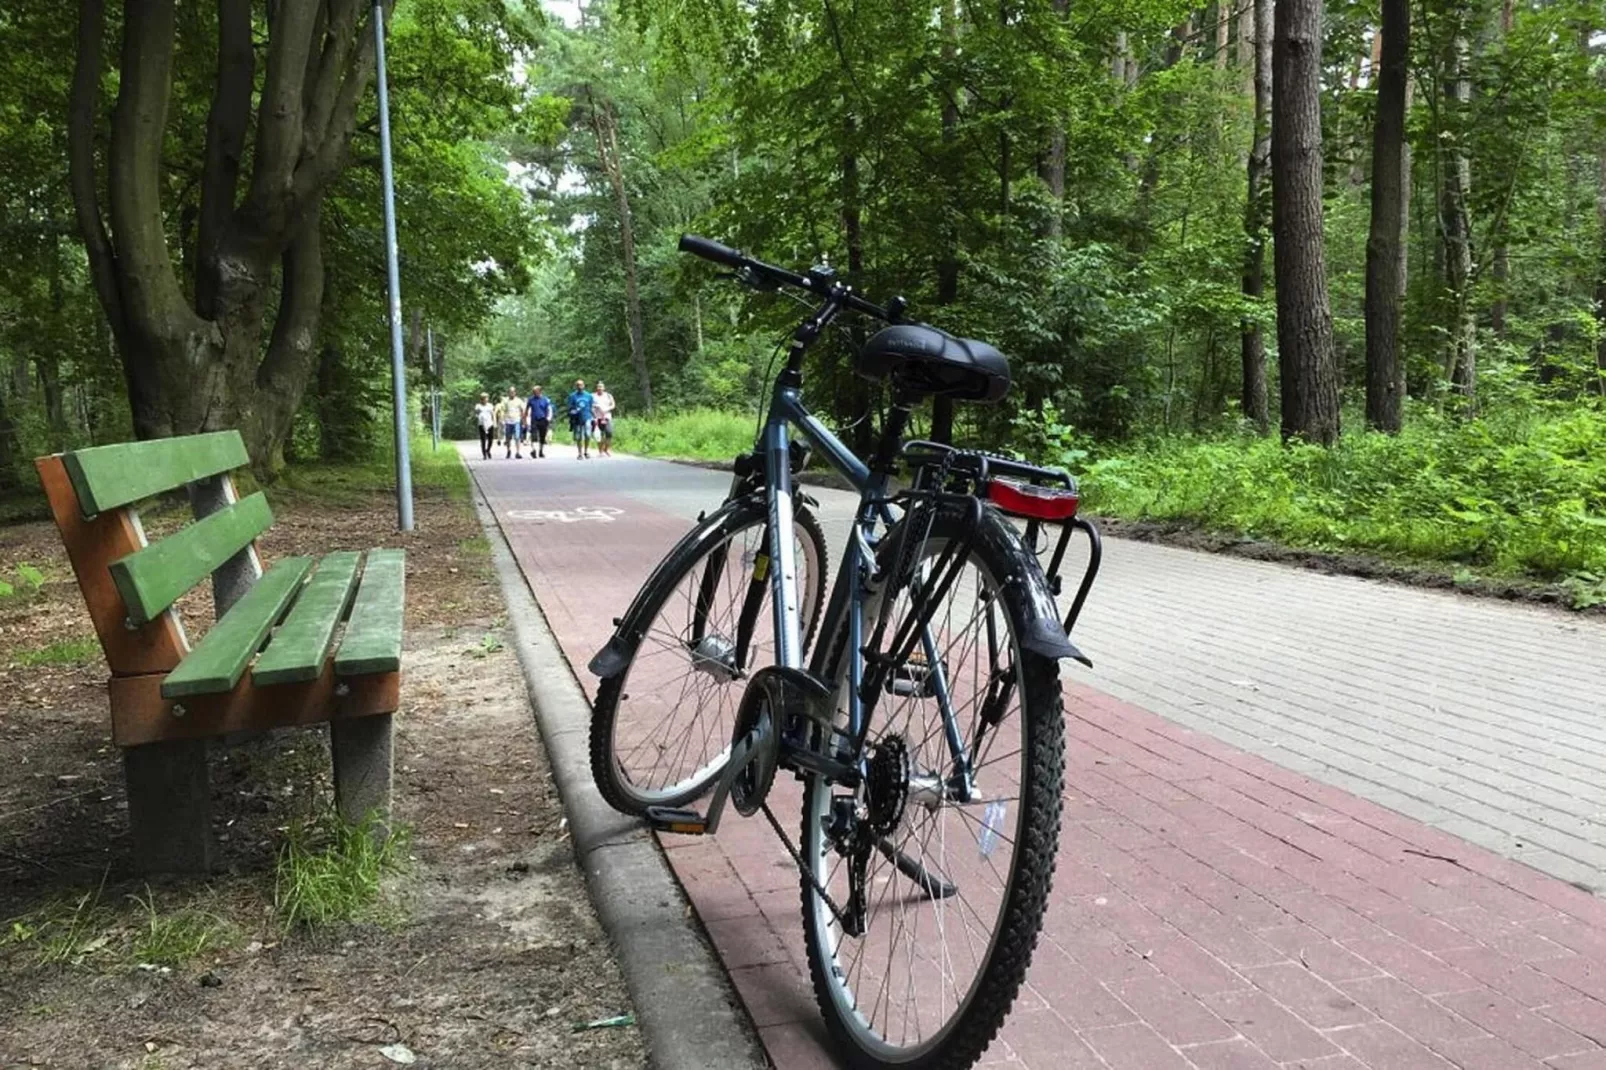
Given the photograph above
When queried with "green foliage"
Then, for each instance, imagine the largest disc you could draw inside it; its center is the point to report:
(25, 583)
(1519, 493)
(329, 872)
(691, 434)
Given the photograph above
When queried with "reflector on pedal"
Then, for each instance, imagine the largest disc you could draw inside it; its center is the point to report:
(1031, 501)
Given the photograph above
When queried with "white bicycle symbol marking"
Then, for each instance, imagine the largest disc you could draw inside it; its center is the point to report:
(603, 514)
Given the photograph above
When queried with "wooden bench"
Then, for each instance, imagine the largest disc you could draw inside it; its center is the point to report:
(169, 698)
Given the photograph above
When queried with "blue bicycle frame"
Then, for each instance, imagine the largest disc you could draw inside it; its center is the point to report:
(846, 605)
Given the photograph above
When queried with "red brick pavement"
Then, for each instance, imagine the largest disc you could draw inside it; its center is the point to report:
(1211, 910)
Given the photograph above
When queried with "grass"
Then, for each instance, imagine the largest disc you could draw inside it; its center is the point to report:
(690, 435)
(329, 872)
(65, 931)
(62, 652)
(74, 930)
(1517, 493)
(344, 483)
(173, 939)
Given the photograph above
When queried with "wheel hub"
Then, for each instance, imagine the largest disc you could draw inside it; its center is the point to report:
(715, 655)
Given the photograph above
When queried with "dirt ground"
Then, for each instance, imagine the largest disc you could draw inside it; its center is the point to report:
(484, 950)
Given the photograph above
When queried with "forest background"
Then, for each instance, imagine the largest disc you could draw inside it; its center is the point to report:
(1328, 274)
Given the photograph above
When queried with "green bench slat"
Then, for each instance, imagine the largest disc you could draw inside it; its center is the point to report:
(155, 577)
(217, 663)
(373, 638)
(301, 645)
(105, 477)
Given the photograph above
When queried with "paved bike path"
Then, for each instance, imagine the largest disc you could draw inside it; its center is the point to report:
(1213, 907)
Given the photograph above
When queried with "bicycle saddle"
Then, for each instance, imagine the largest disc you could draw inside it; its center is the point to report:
(935, 362)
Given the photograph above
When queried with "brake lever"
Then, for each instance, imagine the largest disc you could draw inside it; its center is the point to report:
(753, 279)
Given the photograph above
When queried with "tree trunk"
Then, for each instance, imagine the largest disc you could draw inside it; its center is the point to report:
(1304, 318)
(942, 409)
(281, 378)
(8, 446)
(49, 369)
(331, 442)
(1385, 371)
(1247, 25)
(606, 127)
(1461, 357)
(1600, 272)
(198, 366)
(1052, 170)
(1223, 33)
(1257, 208)
(853, 390)
(1502, 259)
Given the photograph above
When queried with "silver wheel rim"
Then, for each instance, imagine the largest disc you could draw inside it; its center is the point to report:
(686, 712)
(864, 981)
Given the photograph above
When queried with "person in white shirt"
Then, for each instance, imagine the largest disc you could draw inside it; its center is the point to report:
(602, 406)
(485, 417)
(511, 411)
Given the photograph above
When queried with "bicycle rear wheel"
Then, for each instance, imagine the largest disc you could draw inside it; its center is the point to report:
(661, 728)
(952, 893)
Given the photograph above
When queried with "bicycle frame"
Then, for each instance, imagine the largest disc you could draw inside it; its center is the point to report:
(846, 605)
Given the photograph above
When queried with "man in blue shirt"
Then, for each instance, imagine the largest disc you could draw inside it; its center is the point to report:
(540, 415)
(579, 403)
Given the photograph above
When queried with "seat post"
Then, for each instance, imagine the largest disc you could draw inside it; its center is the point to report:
(886, 452)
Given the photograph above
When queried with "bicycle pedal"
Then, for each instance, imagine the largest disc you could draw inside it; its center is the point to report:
(680, 820)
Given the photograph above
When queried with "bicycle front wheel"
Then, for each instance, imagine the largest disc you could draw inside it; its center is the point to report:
(948, 893)
(661, 727)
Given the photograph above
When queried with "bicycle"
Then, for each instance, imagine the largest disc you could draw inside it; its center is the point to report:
(927, 715)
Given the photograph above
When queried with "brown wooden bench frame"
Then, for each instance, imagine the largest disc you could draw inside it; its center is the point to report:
(165, 741)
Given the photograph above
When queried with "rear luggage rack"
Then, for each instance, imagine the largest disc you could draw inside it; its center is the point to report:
(1043, 497)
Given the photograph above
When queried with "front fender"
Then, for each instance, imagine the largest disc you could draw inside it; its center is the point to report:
(612, 659)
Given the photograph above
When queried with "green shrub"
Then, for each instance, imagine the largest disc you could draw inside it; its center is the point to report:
(1521, 492)
(691, 434)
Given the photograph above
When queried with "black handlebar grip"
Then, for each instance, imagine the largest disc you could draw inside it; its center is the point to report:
(711, 250)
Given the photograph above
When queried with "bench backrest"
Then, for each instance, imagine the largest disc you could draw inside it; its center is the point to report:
(129, 583)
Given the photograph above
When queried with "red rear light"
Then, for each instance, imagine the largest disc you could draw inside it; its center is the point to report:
(1033, 502)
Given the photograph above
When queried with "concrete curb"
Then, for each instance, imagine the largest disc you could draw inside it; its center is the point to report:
(688, 1012)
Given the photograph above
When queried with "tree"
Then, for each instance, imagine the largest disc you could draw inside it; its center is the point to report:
(1455, 194)
(196, 361)
(1385, 371)
(605, 126)
(1251, 343)
(1304, 318)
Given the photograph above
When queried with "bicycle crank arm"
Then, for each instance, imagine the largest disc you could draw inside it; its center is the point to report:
(683, 820)
(932, 885)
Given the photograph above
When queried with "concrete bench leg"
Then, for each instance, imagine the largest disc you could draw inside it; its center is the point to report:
(363, 760)
(169, 806)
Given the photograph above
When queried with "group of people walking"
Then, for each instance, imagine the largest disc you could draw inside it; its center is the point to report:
(515, 420)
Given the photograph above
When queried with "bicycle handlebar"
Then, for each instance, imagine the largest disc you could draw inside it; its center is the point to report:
(709, 249)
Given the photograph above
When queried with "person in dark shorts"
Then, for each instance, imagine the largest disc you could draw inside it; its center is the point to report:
(539, 412)
(485, 419)
(579, 406)
(602, 406)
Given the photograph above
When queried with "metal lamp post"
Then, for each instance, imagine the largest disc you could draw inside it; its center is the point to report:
(398, 368)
